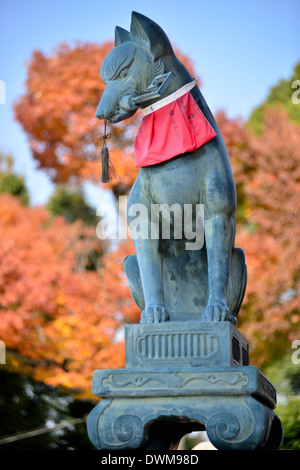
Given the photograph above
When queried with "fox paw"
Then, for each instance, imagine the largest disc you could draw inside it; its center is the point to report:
(154, 313)
(215, 312)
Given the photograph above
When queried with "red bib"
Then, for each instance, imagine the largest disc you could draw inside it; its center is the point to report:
(175, 128)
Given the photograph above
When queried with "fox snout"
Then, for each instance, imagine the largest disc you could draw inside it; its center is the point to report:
(116, 103)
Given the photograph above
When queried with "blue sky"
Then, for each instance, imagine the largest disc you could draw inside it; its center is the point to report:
(240, 48)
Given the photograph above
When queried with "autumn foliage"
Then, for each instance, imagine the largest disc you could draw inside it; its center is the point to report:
(267, 174)
(63, 297)
(63, 292)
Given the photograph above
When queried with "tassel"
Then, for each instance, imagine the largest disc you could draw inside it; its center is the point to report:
(108, 171)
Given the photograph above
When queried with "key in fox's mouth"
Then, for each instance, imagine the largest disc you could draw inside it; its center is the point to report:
(119, 114)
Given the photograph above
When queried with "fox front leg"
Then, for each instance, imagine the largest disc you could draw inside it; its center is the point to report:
(150, 267)
(219, 235)
(147, 248)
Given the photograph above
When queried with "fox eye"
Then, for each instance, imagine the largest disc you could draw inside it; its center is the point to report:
(123, 73)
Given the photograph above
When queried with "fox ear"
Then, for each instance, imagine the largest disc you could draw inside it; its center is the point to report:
(145, 31)
(121, 35)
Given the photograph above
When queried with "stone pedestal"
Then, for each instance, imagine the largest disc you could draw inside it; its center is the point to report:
(183, 377)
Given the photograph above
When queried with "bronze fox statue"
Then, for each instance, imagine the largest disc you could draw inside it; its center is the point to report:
(167, 281)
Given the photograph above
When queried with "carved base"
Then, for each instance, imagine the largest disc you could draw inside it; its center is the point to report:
(170, 387)
(188, 344)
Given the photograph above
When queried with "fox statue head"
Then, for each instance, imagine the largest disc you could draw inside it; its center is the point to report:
(138, 57)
